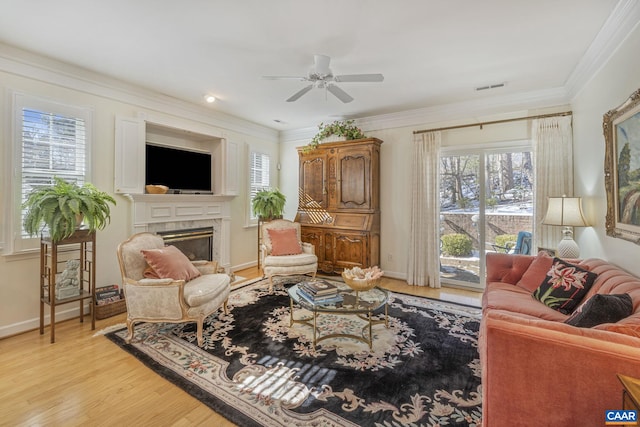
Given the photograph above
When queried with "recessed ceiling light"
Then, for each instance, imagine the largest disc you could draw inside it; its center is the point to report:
(210, 98)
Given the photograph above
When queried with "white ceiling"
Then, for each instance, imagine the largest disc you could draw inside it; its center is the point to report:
(431, 52)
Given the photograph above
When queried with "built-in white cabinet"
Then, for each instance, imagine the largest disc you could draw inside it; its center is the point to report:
(129, 156)
(230, 168)
(133, 133)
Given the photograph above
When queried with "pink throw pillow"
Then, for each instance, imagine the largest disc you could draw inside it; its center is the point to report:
(284, 242)
(536, 272)
(170, 263)
(150, 273)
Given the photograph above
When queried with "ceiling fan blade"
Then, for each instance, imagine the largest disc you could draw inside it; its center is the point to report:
(340, 94)
(359, 78)
(299, 93)
(283, 78)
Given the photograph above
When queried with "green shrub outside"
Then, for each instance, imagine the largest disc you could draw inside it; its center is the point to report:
(459, 245)
(491, 202)
(503, 239)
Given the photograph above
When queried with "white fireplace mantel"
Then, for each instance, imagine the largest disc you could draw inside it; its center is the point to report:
(164, 212)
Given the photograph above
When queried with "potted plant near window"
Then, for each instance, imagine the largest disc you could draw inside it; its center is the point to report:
(64, 206)
(338, 128)
(268, 204)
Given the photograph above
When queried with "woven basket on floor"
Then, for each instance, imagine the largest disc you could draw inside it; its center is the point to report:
(111, 309)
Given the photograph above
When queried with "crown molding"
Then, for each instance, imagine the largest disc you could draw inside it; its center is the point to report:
(623, 20)
(463, 110)
(301, 134)
(27, 64)
(447, 112)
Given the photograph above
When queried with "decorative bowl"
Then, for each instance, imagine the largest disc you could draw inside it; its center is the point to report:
(360, 284)
(156, 189)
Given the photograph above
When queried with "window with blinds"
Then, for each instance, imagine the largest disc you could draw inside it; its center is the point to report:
(52, 145)
(259, 177)
(51, 140)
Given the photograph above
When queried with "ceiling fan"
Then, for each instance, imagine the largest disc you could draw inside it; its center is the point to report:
(321, 76)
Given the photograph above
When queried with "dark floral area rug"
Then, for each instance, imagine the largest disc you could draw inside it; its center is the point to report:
(256, 370)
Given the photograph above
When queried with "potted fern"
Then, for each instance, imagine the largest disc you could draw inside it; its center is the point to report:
(268, 204)
(63, 207)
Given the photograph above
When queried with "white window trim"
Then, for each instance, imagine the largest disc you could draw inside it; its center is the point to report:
(16, 245)
(249, 220)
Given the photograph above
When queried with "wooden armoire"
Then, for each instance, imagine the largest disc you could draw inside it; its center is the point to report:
(339, 203)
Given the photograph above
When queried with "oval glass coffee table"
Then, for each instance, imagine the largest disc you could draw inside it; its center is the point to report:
(362, 304)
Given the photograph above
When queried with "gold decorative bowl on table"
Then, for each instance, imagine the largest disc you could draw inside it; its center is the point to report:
(362, 280)
(360, 284)
(156, 189)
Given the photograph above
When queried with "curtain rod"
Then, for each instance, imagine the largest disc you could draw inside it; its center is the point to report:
(481, 124)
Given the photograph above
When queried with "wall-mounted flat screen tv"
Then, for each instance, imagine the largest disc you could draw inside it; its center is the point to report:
(179, 169)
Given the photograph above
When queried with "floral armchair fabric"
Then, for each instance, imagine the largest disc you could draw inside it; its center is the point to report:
(280, 239)
(166, 299)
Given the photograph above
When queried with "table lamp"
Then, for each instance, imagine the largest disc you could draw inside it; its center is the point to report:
(567, 212)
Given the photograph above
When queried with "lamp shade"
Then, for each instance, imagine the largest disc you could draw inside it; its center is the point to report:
(566, 211)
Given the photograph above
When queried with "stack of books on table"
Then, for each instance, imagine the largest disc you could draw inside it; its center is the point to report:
(319, 291)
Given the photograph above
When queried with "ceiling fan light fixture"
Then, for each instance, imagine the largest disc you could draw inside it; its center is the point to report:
(321, 65)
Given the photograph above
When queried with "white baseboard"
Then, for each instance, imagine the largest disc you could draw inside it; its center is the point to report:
(34, 324)
(395, 275)
(243, 266)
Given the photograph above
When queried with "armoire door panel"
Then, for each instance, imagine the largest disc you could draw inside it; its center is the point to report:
(314, 236)
(312, 188)
(350, 250)
(354, 168)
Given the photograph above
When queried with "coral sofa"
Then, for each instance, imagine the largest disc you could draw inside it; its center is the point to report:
(538, 370)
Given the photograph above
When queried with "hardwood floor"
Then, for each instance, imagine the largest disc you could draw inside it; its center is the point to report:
(84, 379)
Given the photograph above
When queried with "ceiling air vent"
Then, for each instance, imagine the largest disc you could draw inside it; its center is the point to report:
(494, 86)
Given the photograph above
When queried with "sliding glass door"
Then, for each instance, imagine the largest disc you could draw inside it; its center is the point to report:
(486, 204)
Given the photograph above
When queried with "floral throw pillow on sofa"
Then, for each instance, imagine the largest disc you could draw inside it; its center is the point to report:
(564, 286)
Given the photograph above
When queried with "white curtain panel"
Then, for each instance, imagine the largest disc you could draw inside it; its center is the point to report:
(423, 266)
(553, 147)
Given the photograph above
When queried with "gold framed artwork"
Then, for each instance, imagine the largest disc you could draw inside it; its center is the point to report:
(621, 128)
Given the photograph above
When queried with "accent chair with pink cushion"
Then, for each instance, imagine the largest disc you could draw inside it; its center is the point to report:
(538, 369)
(283, 252)
(162, 285)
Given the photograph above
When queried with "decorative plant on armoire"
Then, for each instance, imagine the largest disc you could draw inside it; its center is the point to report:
(268, 204)
(343, 128)
(64, 206)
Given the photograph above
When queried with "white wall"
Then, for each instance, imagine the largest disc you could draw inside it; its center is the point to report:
(19, 287)
(609, 88)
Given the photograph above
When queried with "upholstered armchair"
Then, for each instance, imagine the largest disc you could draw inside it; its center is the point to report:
(283, 253)
(162, 285)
